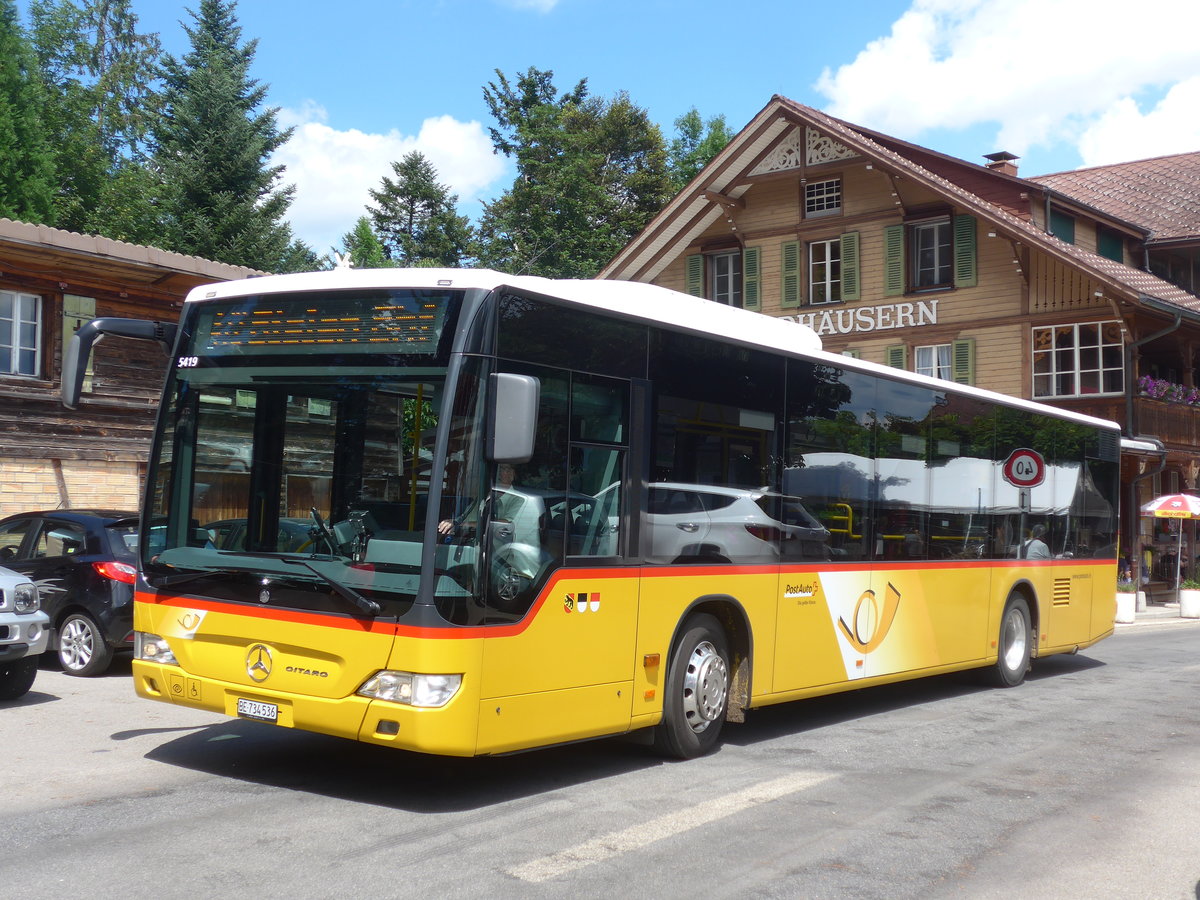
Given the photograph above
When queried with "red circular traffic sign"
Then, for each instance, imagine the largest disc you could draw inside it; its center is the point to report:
(1025, 468)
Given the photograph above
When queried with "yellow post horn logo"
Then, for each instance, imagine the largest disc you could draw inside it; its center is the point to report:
(870, 626)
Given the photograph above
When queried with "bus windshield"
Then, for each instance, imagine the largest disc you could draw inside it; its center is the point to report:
(297, 449)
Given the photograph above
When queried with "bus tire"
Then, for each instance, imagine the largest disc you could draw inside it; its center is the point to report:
(1014, 646)
(696, 691)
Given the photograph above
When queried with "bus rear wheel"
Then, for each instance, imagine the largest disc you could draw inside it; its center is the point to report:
(696, 691)
(1014, 646)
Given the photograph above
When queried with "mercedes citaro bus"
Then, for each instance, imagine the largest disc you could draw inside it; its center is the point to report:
(480, 513)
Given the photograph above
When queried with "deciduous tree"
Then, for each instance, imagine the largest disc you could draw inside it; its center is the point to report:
(696, 142)
(101, 100)
(590, 175)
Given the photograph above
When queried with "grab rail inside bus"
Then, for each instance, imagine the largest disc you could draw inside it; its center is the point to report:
(75, 359)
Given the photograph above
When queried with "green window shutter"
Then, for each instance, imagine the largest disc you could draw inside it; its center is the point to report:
(965, 269)
(789, 253)
(1062, 226)
(896, 356)
(751, 293)
(1110, 244)
(853, 354)
(963, 356)
(694, 277)
(850, 285)
(893, 260)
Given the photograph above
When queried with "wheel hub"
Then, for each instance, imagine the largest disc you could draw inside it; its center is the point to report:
(705, 687)
(1015, 640)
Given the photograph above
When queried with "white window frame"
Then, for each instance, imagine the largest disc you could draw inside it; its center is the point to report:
(1069, 360)
(20, 334)
(725, 277)
(935, 360)
(937, 271)
(825, 272)
(823, 198)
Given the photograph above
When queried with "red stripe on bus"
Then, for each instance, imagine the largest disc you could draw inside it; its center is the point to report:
(465, 632)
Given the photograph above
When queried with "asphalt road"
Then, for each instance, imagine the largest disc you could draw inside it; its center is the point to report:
(1083, 782)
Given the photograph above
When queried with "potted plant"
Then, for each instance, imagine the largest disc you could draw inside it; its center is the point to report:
(1189, 597)
(1126, 602)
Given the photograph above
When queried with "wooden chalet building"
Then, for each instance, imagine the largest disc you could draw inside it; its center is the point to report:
(1069, 289)
(51, 282)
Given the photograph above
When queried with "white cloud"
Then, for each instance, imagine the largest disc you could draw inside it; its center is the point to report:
(1123, 132)
(1043, 71)
(333, 170)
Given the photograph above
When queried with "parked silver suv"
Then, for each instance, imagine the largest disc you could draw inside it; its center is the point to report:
(24, 634)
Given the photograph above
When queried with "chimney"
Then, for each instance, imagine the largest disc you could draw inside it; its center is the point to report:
(1002, 162)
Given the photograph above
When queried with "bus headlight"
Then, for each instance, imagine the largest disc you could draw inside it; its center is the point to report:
(411, 689)
(25, 597)
(152, 648)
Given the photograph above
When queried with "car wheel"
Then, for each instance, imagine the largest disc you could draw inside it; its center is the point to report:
(82, 649)
(1014, 645)
(696, 692)
(509, 586)
(16, 677)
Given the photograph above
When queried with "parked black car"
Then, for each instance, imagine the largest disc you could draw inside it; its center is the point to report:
(83, 562)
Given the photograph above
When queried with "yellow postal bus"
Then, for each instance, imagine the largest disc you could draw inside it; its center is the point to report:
(464, 513)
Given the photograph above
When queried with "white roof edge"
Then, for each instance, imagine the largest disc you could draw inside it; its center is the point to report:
(636, 299)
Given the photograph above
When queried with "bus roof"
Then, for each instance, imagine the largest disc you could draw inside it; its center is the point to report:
(633, 299)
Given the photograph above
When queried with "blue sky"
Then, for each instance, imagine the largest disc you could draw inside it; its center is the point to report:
(1061, 83)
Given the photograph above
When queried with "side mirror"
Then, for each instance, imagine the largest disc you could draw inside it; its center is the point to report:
(75, 357)
(512, 417)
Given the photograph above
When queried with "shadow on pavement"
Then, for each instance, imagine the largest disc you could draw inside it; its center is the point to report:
(364, 773)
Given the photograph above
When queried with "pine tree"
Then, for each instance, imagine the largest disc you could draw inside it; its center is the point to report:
(221, 199)
(27, 176)
(416, 218)
(364, 248)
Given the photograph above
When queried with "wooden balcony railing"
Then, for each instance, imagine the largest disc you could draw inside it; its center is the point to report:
(1176, 425)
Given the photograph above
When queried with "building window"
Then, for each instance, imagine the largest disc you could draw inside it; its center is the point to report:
(822, 198)
(725, 278)
(936, 361)
(932, 245)
(825, 271)
(1062, 226)
(1076, 360)
(20, 334)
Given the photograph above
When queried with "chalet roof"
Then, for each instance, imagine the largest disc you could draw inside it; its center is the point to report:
(1160, 194)
(724, 181)
(28, 247)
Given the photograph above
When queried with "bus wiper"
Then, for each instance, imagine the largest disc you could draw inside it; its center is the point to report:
(185, 577)
(366, 604)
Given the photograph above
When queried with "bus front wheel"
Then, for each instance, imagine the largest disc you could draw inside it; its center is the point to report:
(1014, 645)
(696, 692)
